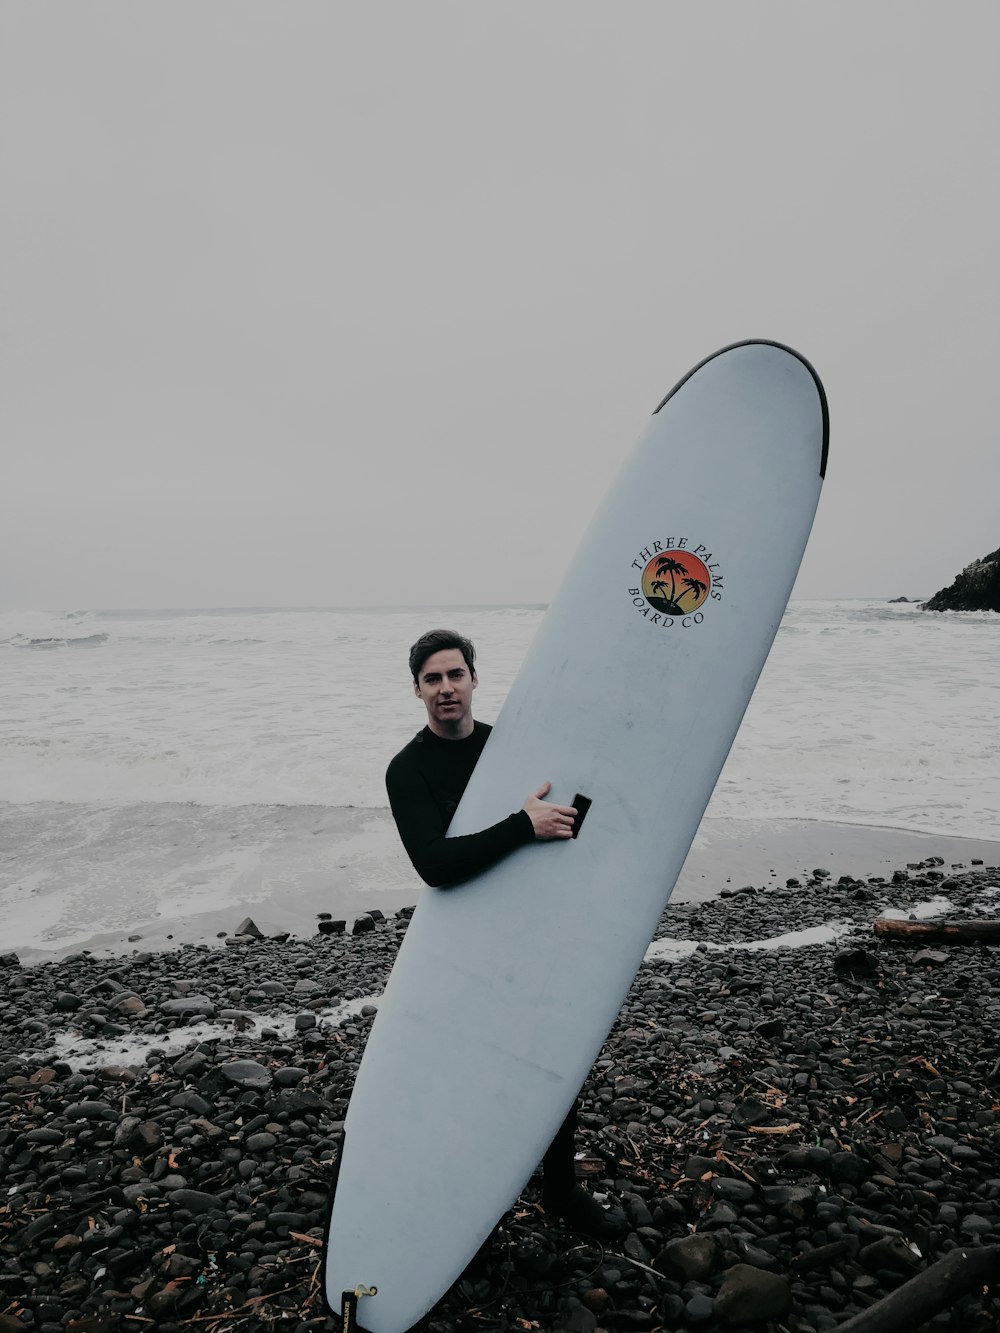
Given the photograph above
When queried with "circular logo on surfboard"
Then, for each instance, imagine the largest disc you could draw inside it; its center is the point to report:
(677, 582)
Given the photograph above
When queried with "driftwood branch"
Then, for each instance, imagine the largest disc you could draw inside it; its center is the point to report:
(940, 932)
(929, 1292)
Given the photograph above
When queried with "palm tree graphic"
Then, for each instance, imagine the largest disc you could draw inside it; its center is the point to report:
(668, 565)
(696, 587)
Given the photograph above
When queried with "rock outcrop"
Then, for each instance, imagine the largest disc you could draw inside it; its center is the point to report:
(977, 588)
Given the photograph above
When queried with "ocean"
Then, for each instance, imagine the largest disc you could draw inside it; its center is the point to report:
(158, 767)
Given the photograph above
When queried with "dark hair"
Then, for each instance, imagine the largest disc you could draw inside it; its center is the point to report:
(434, 641)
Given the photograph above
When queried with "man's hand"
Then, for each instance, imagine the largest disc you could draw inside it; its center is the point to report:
(548, 821)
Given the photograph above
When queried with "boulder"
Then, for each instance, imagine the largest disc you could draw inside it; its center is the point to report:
(246, 1074)
(977, 588)
(693, 1256)
(750, 1296)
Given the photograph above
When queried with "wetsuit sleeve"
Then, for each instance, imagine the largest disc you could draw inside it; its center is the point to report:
(440, 861)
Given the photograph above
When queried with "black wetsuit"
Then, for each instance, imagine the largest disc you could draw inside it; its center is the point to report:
(425, 782)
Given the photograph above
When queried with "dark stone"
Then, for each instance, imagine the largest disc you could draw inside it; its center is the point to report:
(720, 1215)
(583, 1318)
(892, 1252)
(820, 1257)
(750, 1112)
(848, 1168)
(41, 1226)
(44, 1135)
(733, 1191)
(147, 1136)
(363, 924)
(771, 1029)
(246, 1074)
(89, 1111)
(332, 927)
(288, 1076)
(260, 1143)
(195, 1201)
(750, 1295)
(189, 1100)
(855, 963)
(181, 1265)
(693, 1256)
(780, 1196)
(700, 1309)
(192, 1062)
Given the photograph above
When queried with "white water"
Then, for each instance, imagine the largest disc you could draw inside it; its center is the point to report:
(130, 1052)
(143, 753)
(672, 951)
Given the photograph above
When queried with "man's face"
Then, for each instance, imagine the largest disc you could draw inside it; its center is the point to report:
(445, 687)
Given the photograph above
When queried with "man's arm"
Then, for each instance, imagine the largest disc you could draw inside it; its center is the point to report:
(440, 861)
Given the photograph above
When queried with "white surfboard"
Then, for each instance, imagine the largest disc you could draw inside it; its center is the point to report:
(630, 695)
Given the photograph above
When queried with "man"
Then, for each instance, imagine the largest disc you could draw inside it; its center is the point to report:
(425, 782)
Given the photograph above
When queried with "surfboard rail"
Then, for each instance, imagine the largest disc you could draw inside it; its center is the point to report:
(765, 342)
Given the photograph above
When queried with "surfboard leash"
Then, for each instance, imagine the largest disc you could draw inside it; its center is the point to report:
(349, 1307)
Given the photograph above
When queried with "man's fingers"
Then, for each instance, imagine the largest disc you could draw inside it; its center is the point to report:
(549, 820)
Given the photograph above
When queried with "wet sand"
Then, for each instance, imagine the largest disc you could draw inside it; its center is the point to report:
(348, 861)
(734, 852)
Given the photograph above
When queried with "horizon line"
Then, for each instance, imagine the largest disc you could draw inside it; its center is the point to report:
(369, 606)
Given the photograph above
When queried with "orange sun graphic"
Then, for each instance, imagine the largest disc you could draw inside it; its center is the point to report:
(676, 582)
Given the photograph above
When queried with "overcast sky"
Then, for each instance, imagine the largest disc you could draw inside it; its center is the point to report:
(329, 303)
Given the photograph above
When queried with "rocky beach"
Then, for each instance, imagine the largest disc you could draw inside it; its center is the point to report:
(798, 1118)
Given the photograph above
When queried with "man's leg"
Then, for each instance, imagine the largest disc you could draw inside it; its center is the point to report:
(564, 1198)
(559, 1162)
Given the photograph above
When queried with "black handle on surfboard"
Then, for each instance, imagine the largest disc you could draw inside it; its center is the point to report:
(581, 804)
